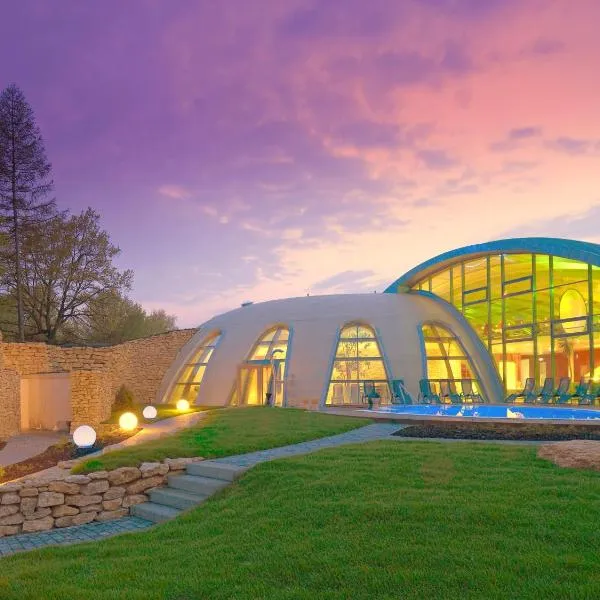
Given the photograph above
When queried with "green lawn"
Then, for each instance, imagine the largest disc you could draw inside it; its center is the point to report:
(234, 431)
(164, 411)
(389, 520)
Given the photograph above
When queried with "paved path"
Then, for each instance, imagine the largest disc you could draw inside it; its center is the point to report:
(157, 430)
(96, 531)
(376, 431)
(70, 535)
(25, 445)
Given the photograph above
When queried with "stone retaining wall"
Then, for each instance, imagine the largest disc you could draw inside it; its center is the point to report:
(96, 373)
(39, 505)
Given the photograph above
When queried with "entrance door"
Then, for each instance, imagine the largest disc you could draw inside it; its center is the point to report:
(253, 384)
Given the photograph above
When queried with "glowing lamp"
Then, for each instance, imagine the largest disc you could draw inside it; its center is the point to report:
(84, 436)
(128, 421)
(183, 405)
(149, 412)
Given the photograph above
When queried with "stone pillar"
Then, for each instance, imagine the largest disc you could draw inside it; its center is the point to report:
(91, 397)
(10, 403)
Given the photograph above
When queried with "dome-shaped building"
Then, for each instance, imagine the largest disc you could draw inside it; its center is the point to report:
(495, 315)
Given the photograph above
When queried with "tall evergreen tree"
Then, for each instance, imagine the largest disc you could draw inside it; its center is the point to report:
(25, 183)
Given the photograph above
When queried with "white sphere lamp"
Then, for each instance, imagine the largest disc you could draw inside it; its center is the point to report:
(84, 436)
(183, 405)
(149, 412)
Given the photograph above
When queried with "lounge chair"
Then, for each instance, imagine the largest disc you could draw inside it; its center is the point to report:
(547, 392)
(466, 385)
(562, 392)
(446, 391)
(588, 398)
(370, 393)
(528, 393)
(426, 394)
(399, 392)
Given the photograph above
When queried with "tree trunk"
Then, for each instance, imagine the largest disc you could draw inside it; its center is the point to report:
(18, 274)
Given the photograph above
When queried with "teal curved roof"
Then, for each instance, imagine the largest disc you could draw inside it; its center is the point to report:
(573, 249)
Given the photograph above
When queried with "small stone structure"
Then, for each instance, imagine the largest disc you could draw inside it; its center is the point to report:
(95, 373)
(577, 454)
(41, 504)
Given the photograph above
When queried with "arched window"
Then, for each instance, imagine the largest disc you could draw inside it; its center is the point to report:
(261, 377)
(358, 358)
(446, 356)
(190, 376)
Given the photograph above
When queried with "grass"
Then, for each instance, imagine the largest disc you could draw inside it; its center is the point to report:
(164, 411)
(384, 520)
(226, 432)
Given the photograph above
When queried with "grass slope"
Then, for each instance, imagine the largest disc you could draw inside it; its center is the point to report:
(386, 520)
(226, 432)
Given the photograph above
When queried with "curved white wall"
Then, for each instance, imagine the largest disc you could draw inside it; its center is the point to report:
(314, 323)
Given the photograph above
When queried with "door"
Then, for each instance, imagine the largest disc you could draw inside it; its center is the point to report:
(253, 384)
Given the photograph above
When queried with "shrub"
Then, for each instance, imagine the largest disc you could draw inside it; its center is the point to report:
(123, 399)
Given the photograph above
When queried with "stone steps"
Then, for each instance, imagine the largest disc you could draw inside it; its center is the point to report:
(176, 498)
(157, 513)
(201, 480)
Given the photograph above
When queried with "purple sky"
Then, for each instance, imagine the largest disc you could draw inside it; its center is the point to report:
(255, 149)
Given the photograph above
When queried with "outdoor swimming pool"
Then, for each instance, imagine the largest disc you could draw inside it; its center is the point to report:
(493, 411)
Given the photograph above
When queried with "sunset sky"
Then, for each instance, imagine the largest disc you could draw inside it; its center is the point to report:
(256, 149)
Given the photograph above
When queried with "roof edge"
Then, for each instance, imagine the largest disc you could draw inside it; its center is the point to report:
(565, 248)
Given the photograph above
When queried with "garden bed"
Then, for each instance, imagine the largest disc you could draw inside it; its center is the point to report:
(501, 431)
(53, 455)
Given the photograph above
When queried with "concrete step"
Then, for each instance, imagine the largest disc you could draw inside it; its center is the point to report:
(176, 498)
(157, 513)
(216, 470)
(204, 486)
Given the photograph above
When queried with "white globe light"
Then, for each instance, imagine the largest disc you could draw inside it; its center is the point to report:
(128, 421)
(149, 412)
(183, 404)
(84, 436)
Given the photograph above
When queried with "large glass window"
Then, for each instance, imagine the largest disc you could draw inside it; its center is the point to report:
(261, 377)
(446, 357)
(538, 314)
(189, 378)
(358, 358)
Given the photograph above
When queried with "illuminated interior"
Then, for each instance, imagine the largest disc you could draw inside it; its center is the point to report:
(538, 315)
(263, 373)
(358, 358)
(190, 376)
(446, 358)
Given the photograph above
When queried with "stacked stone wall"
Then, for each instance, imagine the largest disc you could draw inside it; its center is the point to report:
(96, 373)
(10, 403)
(39, 505)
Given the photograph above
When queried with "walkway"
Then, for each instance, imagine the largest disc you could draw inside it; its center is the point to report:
(97, 531)
(26, 445)
(153, 431)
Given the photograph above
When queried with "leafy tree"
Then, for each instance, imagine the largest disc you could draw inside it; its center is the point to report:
(24, 184)
(112, 318)
(66, 267)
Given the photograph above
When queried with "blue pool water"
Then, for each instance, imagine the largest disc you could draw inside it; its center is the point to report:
(492, 411)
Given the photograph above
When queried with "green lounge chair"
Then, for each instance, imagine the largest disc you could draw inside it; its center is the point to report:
(399, 393)
(562, 392)
(447, 391)
(466, 386)
(370, 393)
(426, 394)
(547, 392)
(528, 393)
(590, 395)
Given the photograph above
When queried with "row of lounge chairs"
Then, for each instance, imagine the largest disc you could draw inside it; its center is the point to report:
(585, 393)
(448, 393)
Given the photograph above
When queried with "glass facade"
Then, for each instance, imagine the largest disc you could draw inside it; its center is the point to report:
(446, 358)
(538, 314)
(262, 375)
(358, 358)
(190, 376)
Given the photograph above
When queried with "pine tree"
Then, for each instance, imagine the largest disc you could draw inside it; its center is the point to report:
(24, 184)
